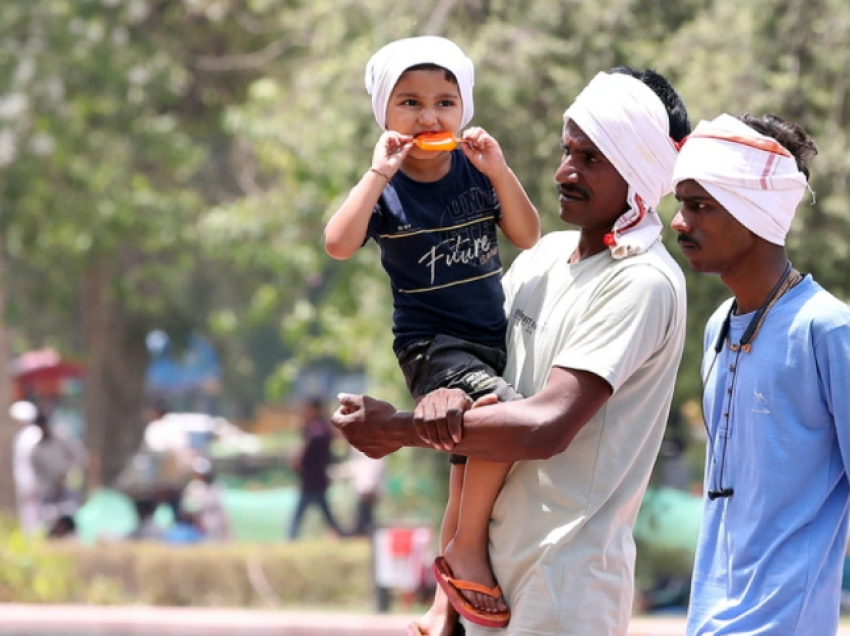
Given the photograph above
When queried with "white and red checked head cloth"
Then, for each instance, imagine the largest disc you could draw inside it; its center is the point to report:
(751, 175)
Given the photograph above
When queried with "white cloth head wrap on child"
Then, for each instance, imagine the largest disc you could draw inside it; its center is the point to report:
(629, 124)
(749, 174)
(387, 65)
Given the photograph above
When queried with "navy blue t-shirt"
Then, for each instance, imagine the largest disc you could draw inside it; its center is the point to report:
(439, 246)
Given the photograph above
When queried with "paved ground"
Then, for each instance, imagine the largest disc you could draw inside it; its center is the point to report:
(144, 621)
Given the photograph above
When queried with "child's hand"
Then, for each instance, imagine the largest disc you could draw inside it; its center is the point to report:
(483, 151)
(390, 152)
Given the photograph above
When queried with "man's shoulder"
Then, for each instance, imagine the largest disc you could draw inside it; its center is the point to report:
(821, 307)
(551, 247)
(822, 298)
(656, 263)
(659, 255)
(553, 244)
(557, 238)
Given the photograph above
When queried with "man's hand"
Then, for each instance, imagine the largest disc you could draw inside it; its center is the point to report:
(370, 425)
(438, 417)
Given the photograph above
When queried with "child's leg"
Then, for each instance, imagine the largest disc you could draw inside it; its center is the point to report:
(450, 362)
(450, 517)
(468, 551)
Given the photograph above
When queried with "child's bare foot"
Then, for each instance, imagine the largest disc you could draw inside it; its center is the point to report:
(439, 620)
(472, 563)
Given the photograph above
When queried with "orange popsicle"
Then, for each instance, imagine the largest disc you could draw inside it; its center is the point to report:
(437, 141)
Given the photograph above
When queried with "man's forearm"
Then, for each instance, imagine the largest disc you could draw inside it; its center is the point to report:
(536, 427)
(500, 433)
(509, 432)
(533, 428)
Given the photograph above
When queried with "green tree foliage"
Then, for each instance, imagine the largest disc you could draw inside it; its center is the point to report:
(109, 140)
(172, 164)
(786, 57)
(311, 133)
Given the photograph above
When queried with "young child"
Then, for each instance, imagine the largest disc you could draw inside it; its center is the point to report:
(434, 216)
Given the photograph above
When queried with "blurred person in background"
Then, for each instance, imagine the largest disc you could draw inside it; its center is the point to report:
(146, 528)
(204, 498)
(170, 444)
(23, 415)
(311, 465)
(55, 458)
(184, 530)
(366, 476)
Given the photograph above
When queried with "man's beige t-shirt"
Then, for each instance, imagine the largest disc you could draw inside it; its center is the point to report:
(561, 534)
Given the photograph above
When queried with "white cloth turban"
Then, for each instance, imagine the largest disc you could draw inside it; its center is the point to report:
(387, 65)
(629, 124)
(749, 174)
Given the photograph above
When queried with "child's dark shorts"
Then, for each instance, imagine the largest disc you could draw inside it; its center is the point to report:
(452, 363)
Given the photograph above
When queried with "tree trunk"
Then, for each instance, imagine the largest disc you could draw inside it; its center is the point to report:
(115, 378)
(7, 428)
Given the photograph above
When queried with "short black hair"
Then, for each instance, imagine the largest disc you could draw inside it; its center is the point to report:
(790, 135)
(677, 112)
(431, 67)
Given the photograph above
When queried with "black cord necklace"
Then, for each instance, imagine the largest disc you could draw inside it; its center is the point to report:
(790, 277)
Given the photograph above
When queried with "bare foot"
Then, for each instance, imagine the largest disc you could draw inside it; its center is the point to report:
(439, 620)
(472, 563)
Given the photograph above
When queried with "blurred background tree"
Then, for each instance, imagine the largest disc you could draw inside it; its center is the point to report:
(170, 165)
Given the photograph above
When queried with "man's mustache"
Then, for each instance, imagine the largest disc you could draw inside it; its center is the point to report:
(574, 191)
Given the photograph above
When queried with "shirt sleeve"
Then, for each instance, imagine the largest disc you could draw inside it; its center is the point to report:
(832, 353)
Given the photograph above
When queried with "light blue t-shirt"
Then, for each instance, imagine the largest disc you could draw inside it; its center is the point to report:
(769, 558)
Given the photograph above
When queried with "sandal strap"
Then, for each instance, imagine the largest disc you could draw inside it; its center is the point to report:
(470, 586)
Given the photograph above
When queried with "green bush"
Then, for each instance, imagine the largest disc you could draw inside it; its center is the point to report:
(30, 571)
(306, 573)
(319, 574)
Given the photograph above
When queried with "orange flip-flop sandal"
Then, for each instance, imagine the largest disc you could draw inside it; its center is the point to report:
(452, 587)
